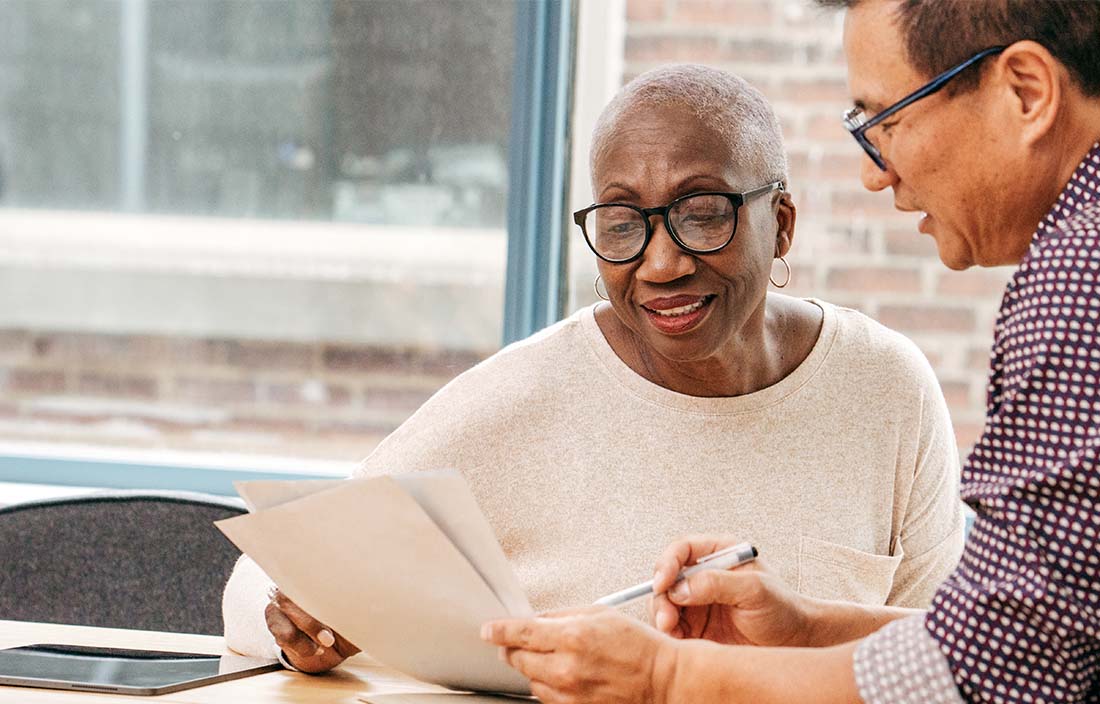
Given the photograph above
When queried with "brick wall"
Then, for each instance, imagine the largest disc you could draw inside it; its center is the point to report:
(851, 246)
(325, 400)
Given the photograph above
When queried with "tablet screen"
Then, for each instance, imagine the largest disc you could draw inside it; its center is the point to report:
(123, 671)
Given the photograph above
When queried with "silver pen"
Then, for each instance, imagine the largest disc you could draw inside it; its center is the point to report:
(724, 559)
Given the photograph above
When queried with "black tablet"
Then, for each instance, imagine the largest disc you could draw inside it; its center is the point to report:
(141, 672)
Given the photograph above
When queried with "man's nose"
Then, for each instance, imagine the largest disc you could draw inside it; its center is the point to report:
(874, 178)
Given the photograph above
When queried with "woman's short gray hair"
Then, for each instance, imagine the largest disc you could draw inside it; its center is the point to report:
(728, 104)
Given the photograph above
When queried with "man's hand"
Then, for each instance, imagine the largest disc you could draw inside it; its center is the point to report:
(307, 643)
(747, 605)
(587, 656)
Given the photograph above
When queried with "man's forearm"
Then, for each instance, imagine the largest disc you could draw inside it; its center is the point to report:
(836, 622)
(702, 672)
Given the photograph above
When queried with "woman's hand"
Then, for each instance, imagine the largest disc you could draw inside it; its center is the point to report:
(307, 644)
(747, 605)
(588, 655)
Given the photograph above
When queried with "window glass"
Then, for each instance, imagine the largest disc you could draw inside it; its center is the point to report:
(261, 226)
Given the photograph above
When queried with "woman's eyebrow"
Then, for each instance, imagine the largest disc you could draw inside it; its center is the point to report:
(615, 185)
(703, 181)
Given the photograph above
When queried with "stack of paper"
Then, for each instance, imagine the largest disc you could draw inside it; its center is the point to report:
(406, 568)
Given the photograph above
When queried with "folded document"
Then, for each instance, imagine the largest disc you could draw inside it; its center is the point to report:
(405, 567)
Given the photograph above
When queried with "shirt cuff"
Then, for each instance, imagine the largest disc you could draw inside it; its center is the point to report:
(902, 664)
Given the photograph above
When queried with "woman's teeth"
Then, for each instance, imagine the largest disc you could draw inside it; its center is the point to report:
(682, 310)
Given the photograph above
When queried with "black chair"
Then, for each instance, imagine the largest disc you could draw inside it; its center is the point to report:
(145, 560)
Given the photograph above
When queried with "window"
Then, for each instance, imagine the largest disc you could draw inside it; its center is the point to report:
(271, 227)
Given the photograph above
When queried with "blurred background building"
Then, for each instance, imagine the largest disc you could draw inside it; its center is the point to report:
(275, 227)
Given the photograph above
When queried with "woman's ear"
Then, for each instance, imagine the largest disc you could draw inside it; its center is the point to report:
(785, 217)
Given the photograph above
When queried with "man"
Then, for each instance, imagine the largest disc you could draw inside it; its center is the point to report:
(985, 115)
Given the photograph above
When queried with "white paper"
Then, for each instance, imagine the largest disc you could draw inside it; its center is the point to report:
(446, 498)
(367, 559)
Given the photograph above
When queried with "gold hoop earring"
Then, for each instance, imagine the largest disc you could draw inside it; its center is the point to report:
(596, 286)
(787, 280)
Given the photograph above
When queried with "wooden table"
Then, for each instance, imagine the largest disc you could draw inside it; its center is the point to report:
(358, 676)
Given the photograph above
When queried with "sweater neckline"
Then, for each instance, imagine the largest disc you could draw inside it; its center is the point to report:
(646, 390)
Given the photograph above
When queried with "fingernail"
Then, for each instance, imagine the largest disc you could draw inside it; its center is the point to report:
(680, 592)
(326, 638)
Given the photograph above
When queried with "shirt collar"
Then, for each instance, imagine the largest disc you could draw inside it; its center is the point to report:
(1083, 188)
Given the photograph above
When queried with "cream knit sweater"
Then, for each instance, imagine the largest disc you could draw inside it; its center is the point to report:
(844, 474)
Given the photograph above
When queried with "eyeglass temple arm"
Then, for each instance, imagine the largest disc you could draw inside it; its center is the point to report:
(773, 186)
(934, 86)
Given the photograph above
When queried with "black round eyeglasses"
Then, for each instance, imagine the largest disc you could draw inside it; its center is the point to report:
(699, 223)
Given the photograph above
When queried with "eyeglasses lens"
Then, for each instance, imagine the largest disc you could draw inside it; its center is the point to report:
(615, 232)
(703, 222)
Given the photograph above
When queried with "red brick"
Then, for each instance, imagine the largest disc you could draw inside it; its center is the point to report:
(646, 10)
(15, 345)
(772, 51)
(93, 348)
(957, 393)
(864, 203)
(268, 355)
(821, 90)
(215, 390)
(280, 425)
(299, 392)
(802, 277)
(978, 359)
(927, 318)
(966, 434)
(395, 399)
(910, 243)
(827, 128)
(874, 279)
(193, 352)
(840, 166)
(725, 13)
(668, 49)
(35, 381)
(989, 283)
(853, 238)
(372, 359)
(119, 386)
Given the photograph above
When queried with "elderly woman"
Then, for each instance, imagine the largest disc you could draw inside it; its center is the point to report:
(692, 399)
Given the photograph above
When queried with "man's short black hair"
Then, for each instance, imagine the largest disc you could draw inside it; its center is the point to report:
(941, 33)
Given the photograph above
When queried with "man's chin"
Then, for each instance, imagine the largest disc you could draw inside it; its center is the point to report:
(954, 258)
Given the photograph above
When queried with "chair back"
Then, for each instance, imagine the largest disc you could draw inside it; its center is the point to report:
(144, 560)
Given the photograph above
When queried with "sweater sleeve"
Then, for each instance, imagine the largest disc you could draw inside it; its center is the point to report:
(931, 534)
(243, 604)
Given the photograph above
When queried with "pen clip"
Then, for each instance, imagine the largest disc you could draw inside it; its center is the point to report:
(721, 553)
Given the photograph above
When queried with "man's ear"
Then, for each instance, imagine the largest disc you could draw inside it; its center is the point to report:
(785, 217)
(1033, 78)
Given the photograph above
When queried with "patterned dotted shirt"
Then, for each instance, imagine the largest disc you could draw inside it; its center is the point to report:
(1019, 619)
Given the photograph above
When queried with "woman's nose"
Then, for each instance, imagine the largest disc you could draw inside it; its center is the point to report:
(663, 260)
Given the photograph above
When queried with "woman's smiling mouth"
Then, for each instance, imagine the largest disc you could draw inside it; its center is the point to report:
(676, 314)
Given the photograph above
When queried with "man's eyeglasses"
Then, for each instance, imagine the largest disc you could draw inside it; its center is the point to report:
(856, 121)
(699, 223)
